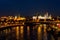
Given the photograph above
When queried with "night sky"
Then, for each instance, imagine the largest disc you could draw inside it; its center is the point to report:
(29, 7)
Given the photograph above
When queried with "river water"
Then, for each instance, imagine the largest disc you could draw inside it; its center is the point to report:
(25, 33)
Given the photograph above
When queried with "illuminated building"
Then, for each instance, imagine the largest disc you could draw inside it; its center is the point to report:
(46, 16)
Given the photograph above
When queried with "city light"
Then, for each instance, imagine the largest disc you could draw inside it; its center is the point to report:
(58, 25)
(40, 17)
(46, 16)
(34, 24)
(34, 17)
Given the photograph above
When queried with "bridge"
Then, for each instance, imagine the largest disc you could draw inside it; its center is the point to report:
(28, 22)
(8, 29)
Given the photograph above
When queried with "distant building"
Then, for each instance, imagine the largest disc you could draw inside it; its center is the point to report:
(46, 16)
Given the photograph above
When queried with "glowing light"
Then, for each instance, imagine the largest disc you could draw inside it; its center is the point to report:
(4, 17)
(58, 25)
(39, 17)
(17, 32)
(34, 17)
(27, 27)
(22, 18)
(15, 17)
(39, 29)
(21, 29)
(45, 16)
(28, 30)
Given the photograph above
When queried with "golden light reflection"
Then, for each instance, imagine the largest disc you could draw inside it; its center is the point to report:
(45, 33)
(39, 33)
(28, 32)
(39, 29)
(21, 32)
(21, 28)
(28, 28)
(44, 27)
(17, 32)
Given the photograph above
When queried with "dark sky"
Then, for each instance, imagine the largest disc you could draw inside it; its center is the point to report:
(29, 7)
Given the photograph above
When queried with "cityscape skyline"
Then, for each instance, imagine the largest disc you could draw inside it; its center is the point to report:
(35, 14)
(29, 19)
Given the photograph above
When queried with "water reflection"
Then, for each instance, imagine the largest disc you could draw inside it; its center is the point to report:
(28, 32)
(39, 33)
(17, 33)
(21, 32)
(25, 33)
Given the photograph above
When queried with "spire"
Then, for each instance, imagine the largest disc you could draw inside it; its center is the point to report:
(47, 14)
(50, 15)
